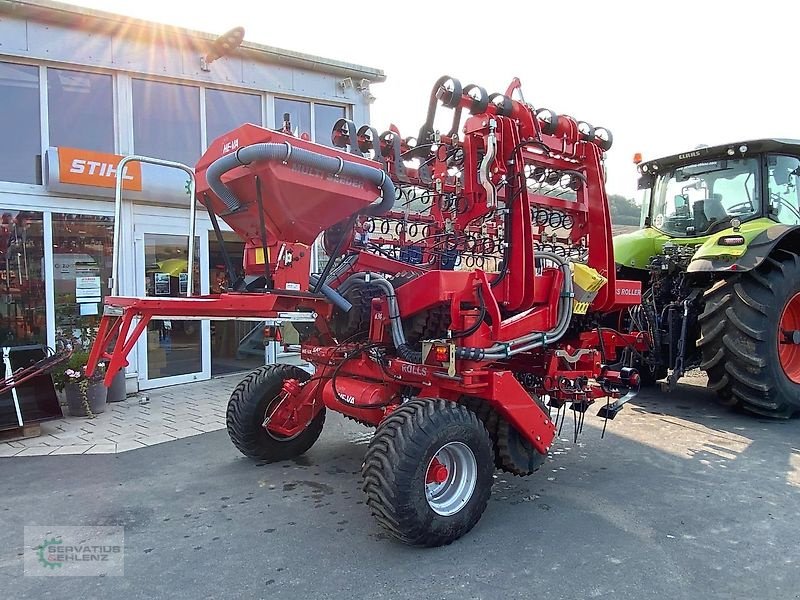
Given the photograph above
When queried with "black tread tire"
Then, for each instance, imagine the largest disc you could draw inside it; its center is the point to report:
(488, 416)
(515, 454)
(396, 463)
(246, 410)
(429, 324)
(739, 329)
(354, 324)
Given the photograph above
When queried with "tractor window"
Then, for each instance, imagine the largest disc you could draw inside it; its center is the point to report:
(689, 200)
(783, 188)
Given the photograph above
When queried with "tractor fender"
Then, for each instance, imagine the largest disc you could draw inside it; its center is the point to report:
(759, 248)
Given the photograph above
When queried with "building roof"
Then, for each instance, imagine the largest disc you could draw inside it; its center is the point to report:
(97, 20)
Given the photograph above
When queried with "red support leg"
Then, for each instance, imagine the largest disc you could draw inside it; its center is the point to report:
(108, 327)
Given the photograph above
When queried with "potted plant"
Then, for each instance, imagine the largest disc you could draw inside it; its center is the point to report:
(85, 396)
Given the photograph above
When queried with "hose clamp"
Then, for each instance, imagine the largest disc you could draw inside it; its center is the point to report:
(288, 153)
(341, 166)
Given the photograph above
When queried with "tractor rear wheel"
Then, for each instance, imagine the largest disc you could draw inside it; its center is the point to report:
(750, 338)
(252, 400)
(428, 472)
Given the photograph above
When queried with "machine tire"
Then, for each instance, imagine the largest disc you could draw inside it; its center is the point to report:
(354, 324)
(397, 463)
(740, 329)
(247, 407)
(488, 416)
(432, 323)
(514, 453)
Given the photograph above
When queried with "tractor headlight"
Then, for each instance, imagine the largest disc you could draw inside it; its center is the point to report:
(731, 240)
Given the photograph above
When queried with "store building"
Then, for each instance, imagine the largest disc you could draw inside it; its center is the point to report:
(80, 88)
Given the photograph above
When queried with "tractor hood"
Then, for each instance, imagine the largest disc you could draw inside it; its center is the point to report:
(714, 248)
(635, 249)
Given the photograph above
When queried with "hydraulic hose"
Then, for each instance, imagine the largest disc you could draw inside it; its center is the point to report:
(287, 153)
(331, 294)
(497, 351)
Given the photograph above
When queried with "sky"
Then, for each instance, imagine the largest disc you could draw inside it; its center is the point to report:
(664, 77)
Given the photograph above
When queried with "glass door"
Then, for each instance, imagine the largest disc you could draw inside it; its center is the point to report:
(235, 345)
(173, 351)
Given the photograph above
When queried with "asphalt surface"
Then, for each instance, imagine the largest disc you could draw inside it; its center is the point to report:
(680, 500)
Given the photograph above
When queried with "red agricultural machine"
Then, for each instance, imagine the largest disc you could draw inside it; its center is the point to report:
(460, 307)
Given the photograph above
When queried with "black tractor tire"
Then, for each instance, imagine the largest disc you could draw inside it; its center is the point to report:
(740, 331)
(396, 468)
(248, 407)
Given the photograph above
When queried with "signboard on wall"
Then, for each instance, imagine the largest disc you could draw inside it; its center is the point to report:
(93, 174)
(96, 169)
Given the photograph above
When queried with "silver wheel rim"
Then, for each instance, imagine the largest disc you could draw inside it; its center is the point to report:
(449, 492)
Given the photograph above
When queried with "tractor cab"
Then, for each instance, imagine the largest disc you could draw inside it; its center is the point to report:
(699, 193)
(712, 202)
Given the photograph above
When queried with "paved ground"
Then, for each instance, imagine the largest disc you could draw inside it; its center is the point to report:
(680, 500)
(149, 418)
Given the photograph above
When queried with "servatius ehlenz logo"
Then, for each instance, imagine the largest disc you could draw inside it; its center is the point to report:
(78, 551)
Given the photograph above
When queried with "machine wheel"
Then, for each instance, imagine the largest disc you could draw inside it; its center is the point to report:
(432, 323)
(248, 407)
(515, 453)
(488, 416)
(751, 352)
(354, 325)
(428, 472)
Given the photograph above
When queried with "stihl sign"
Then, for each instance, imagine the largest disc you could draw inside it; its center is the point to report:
(86, 167)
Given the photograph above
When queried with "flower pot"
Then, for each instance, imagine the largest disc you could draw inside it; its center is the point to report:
(116, 393)
(95, 394)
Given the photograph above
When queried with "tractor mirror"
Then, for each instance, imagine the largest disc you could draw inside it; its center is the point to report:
(781, 175)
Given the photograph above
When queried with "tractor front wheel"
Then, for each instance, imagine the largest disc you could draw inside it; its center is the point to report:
(750, 338)
(428, 472)
(253, 401)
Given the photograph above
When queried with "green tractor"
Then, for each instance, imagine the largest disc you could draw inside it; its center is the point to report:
(719, 259)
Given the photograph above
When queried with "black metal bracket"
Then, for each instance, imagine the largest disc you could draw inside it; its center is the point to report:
(233, 279)
(260, 201)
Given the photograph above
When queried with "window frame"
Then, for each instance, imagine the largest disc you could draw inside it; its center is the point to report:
(765, 185)
(44, 114)
(348, 110)
(217, 88)
(44, 77)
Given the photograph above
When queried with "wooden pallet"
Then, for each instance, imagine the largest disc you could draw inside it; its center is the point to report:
(21, 433)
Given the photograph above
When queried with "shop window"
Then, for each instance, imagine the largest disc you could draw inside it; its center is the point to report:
(325, 116)
(226, 111)
(82, 248)
(21, 150)
(166, 121)
(22, 287)
(299, 115)
(80, 110)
